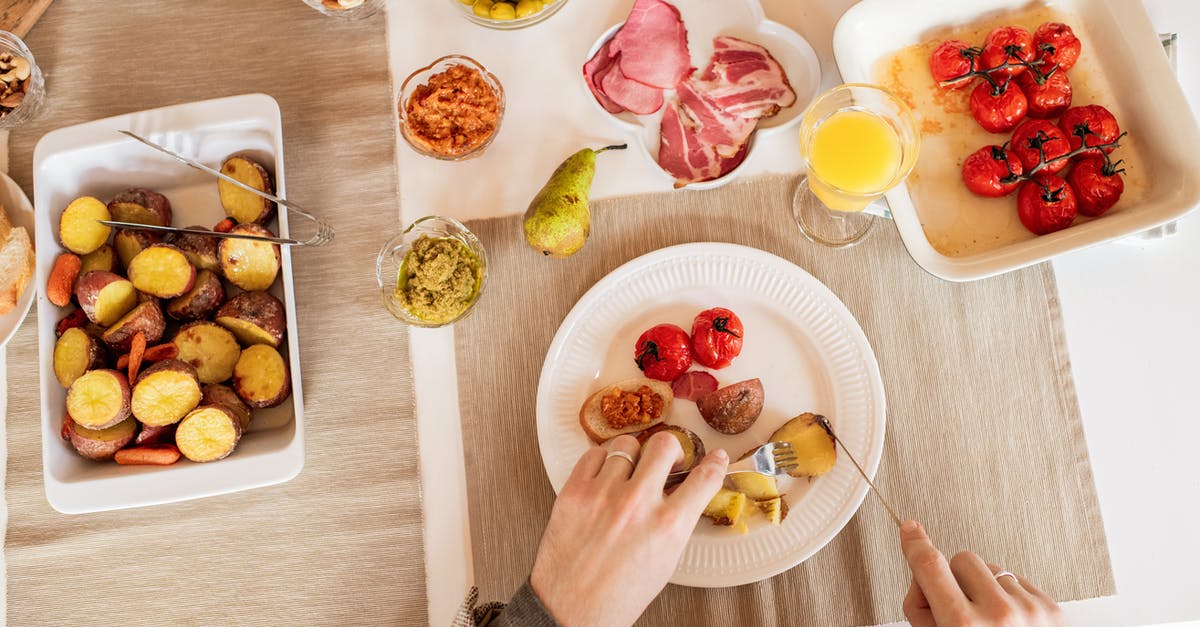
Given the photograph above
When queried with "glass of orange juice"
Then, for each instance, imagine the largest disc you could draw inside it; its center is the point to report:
(857, 141)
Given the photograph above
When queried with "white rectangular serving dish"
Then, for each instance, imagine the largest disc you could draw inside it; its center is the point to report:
(93, 159)
(1144, 88)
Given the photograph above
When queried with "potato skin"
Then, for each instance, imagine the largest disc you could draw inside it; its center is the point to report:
(259, 309)
(206, 295)
(146, 317)
(223, 395)
(101, 444)
(87, 290)
(161, 434)
(140, 205)
(693, 446)
(733, 408)
(201, 250)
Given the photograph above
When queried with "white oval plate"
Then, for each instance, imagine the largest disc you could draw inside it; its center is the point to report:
(800, 340)
(20, 211)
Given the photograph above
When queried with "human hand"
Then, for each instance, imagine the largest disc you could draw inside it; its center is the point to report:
(614, 538)
(967, 591)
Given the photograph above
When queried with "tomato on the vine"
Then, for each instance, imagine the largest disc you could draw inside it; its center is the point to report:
(1046, 203)
(1056, 44)
(1048, 95)
(663, 352)
(1091, 123)
(992, 171)
(716, 337)
(998, 108)
(1007, 44)
(953, 59)
(1040, 140)
(1097, 183)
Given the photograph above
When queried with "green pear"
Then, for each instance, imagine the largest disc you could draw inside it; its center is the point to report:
(559, 219)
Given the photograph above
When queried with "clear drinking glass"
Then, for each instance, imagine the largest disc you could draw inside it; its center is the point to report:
(389, 266)
(35, 86)
(858, 141)
(347, 9)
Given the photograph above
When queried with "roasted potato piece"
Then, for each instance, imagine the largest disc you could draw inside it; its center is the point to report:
(103, 258)
(733, 408)
(162, 271)
(104, 297)
(142, 206)
(99, 399)
(165, 392)
(225, 397)
(812, 443)
(755, 486)
(101, 444)
(201, 250)
(241, 205)
(146, 317)
(208, 433)
(261, 377)
(248, 264)
(78, 229)
(776, 510)
(210, 348)
(202, 300)
(75, 353)
(130, 243)
(255, 318)
(693, 446)
(726, 507)
(159, 434)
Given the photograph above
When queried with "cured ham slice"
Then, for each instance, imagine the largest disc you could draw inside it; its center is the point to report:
(630, 94)
(685, 156)
(744, 80)
(693, 385)
(726, 132)
(653, 45)
(603, 62)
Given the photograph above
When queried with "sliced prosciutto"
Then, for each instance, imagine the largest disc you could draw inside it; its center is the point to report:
(724, 131)
(685, 156)
(603, 62)
(653, 45)
(693, 385)
(744, 80)
(628, 93)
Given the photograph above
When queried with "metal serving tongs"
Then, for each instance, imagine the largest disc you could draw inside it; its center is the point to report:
(324, 231)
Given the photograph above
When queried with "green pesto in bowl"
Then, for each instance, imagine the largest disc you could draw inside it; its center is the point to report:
(439, 279)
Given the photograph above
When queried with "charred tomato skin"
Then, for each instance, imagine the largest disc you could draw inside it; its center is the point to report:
(717, 335)
(952, 59)
(1046, 204)
(1098, 185)
(1092, 123)
(1056, 44)
(992, 171)
(998, 109)
(1007, 44)
(1043, 134)
(663, 352)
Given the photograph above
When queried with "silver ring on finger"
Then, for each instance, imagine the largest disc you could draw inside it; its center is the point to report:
(622, 455)
(1005, 573)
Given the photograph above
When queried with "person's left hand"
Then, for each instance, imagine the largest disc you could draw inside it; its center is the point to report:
(614, 538)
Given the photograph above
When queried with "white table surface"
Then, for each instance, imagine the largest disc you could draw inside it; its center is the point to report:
(1131, 312)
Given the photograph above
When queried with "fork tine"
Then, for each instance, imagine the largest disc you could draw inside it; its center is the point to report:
(783, 468)
(783, 459)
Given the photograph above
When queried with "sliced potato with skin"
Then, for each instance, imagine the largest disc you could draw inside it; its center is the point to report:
(160, 434)
(103, 258)
(101, 444)
(201, 250)
(776, 510)
(241, 205)
(162, 271)
(733, 408)
(261, 377)
(99, 399)
(104, 296)
(255, 318)
(249, 264)
(755, 486)
(208, 433)
(142, 206)
(210, 348)
(146, 318)
(693, 446)
(165, 393)
(725, 507)
(75, 353)
(202, 300)
(130, 243)
(225, 397)
(78, 229)
(812, 442)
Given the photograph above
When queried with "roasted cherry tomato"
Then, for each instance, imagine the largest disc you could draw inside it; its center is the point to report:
(998, 108)
(1093, 123)
(663, 352)
(1097, 183)
(1046, 203)
(1048, 95)
(953, 59)
(716, 337)
(992, 171)
(1040, 140)
(1056, 44)
(1007, 45)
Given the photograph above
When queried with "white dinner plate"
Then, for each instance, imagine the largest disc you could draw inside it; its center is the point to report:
(20, 211)
(800, 340)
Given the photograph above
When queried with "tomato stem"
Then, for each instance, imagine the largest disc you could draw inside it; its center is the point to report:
(649, 349)
(985, 73)
(1084, 147)
(721, 324)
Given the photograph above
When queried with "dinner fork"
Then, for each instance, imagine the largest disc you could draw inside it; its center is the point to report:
(770, 459)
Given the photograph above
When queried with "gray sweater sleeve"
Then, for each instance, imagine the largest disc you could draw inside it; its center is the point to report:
(524, 609)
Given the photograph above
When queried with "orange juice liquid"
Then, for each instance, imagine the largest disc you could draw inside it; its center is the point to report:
(854, 158)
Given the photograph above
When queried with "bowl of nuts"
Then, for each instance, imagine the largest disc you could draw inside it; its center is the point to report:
(21, 82)
(508, 14)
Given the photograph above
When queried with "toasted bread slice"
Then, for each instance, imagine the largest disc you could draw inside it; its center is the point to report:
(6, 225)
(598, 429)
(16, 268)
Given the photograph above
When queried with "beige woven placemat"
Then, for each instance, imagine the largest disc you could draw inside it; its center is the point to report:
(984, 443)
(342, 543)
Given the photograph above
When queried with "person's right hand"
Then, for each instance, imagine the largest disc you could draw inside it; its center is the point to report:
(965, 591)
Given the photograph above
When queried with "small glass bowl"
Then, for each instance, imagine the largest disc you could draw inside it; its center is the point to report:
(421, 76)
(364, 10)
(469, 13)
(391, 260)
(34, 89)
